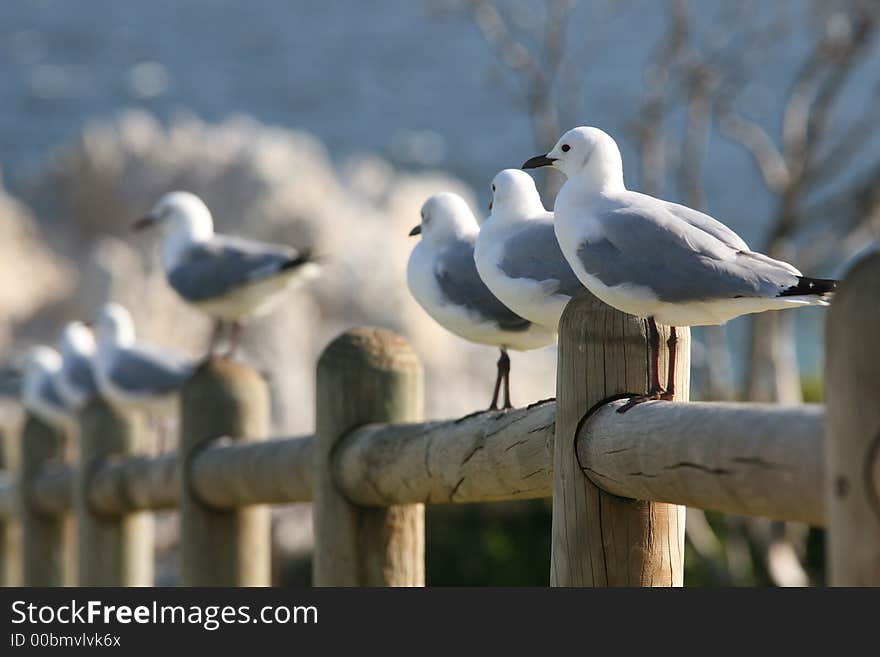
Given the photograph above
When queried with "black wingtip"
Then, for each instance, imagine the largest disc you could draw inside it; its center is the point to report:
(805, 286)
(302, 258)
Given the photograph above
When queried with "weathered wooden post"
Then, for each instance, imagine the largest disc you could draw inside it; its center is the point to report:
(600, 539)
(113, 550)
(852, 438)
(221, 547)
(43, 535)
(365, 375)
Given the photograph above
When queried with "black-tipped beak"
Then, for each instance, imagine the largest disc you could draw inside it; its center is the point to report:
(416, 231)
(143, 223)
(538, 161)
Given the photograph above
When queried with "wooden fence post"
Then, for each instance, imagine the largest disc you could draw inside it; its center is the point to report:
(224, 398)
(365, 375)
(599, 539)
(852, 438)
(43, 536)
(113, 550)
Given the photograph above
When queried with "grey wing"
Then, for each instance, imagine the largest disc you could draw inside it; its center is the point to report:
(709, 225)
(456, 274)
(149, 371)
(82, 375)
(675, 260)
(534, 253)
(49, 393)
(225, 263)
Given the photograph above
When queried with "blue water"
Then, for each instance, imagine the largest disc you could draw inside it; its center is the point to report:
(398, 78)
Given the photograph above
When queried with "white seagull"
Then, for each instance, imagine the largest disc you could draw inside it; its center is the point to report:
(518, 256)
(131, 373)
(40, 395)
(76, 379)
(443, 279)
(659, 260)
(228, 278)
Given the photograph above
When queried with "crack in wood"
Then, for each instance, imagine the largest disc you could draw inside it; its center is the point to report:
(698, 466)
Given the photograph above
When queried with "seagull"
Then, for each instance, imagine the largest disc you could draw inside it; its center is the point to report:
(40, 395)
(131, 373)
(443, 279)
(518, 256)
(659, 260)
(228, 278)
(76, 379)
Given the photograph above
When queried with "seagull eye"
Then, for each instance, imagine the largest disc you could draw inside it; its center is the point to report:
(493, 188)
(566, 148)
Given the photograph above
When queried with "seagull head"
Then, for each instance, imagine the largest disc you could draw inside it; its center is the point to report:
(183, 219)
(445, 216)
(114, 326)
(586, 153)
(514, 195)
(39, 361)
(77, 338)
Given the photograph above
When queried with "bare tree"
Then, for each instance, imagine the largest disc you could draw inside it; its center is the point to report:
(534, 63)
(807, 158)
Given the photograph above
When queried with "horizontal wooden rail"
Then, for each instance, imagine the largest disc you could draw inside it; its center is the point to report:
(135, 483)
(52, 489)
(749, 459)
(484, 457)
(272, 472)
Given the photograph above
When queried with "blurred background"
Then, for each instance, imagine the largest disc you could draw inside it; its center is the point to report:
(328, 123)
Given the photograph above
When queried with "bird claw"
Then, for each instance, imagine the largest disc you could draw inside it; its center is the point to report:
(656, 395)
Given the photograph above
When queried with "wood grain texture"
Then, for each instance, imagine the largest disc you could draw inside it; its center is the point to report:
(123, 484)
(748, 459)
(222, 547)
(498, 455)
(365, 375)
(272, 472)
(43, 535)
(600, 539)
(852, 390)
(114, 550)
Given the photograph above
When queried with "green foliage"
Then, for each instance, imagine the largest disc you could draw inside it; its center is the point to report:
(497, 544)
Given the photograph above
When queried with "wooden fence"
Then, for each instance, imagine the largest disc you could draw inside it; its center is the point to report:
(619, 482)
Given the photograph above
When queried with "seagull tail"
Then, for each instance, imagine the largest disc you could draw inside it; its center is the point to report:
(822, 288)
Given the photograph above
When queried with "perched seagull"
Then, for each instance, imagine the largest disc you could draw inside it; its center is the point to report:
(40, 395)
(658, 260)
(518, 256)
(76, 379)
(443, 279)
(228, 278)
(131, 373)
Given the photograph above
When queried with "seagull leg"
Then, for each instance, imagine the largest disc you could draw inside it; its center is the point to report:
(504, 364)
(655, 390)
(494, 405)
(216, 334)
(234, 338)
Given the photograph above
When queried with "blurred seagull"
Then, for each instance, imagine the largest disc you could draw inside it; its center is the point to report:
(76, 379)
(131, 373)
(228, 278)
(40, 395)
(443, 279)
(518, 256)
(659, 260)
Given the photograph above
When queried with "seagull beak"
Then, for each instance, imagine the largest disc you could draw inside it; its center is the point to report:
(538, 161)
(416, 231)
(143, 223)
